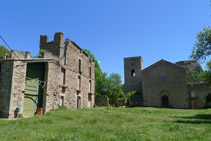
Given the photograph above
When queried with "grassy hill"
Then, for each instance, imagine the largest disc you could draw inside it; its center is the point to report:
(105, 123)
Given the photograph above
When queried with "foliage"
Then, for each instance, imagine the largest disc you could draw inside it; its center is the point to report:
(208, 101)
(40, 54)
(194, 76)
(106, 85)
(3, 51)
(108, 123)
(100, 78)
(202, 47)
(129, 94)
(115, 89)
(206, 75)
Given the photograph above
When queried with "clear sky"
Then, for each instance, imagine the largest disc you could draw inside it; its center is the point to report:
(110, 29)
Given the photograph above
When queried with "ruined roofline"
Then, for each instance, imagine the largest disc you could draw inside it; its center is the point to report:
(163, 61)
(28, 59)
(78, 47)
(44, 38)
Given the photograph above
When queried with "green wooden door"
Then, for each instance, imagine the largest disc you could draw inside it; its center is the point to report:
(31, 96)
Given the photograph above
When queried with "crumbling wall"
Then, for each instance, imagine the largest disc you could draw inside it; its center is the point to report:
(102, 101)
(67, 56)
(73, 55)
(201, 90)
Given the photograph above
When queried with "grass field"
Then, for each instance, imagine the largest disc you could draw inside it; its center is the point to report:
(106, 123)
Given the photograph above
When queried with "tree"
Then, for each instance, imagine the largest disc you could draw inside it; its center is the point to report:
(110, 86)
(115, 91)
(201, 50)
(4, 51)
(101, 81)
(202, 47)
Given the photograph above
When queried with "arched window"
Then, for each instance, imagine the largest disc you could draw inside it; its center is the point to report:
(133, 73)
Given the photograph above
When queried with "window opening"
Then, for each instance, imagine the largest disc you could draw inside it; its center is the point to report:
(79, 82)
(133, 73)
(79, 65)
(90, 72)
(63, 71)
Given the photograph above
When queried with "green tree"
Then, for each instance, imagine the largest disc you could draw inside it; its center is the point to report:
(115, 89)
(202, 47)
(201, 50)
(4, 51)
(101, 81)
(107, 85)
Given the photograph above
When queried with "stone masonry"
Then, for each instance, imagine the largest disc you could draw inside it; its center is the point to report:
(72, 78)
(68, 77)
(164, 84)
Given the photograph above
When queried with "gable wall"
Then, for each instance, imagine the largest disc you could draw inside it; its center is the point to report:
(175, 86)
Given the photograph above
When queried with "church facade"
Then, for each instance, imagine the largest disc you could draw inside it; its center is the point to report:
(164, 84)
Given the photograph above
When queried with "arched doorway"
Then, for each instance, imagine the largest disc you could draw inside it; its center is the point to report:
(165, 101)
(78, 102)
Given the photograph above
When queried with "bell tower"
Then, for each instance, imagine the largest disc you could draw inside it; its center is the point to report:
(132, 69)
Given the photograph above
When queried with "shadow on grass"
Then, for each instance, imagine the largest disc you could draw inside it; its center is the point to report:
(196, 119)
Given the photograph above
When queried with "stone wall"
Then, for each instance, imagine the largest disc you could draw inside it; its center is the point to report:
(165, 78)
(102, 101)
(12, 87)
(133, 79)
(65, 76)
(5, 87)
(18, 86)
(52, 96)
(200, 90)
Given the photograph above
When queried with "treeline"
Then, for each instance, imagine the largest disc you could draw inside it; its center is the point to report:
(107, 85)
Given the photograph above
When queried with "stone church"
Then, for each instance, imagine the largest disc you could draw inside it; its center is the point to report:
(63, 75)
(164, 84)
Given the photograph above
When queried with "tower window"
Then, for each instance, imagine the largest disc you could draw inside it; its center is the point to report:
(133, 73)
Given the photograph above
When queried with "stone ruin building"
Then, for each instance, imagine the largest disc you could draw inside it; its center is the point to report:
(164, 84)
(63, 76)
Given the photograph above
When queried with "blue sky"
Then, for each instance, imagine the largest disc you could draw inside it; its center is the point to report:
(110, 29)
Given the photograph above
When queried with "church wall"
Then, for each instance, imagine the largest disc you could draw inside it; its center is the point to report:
(165, 78)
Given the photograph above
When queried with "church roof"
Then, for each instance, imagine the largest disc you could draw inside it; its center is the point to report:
(162, 60)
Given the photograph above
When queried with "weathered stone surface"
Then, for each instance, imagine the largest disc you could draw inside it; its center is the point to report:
(165, 78)
(190, 64)
(102, 101)
(67, 56)
(133, 67)
(164, 84)
(201, 91)
(67, 83)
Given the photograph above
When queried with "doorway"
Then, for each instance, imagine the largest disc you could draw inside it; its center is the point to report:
(165, 101)
(78, 102)
(34, 88)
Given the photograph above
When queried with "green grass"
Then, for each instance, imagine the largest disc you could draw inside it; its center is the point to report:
(105, 123)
